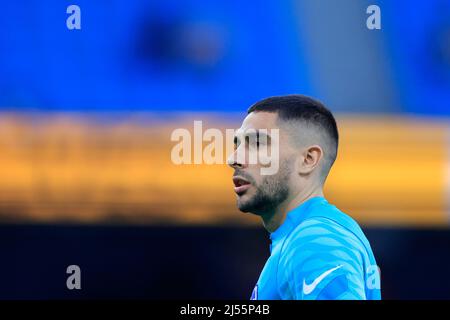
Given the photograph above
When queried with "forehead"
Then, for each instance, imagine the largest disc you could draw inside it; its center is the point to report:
(260, 120)
(288, 131)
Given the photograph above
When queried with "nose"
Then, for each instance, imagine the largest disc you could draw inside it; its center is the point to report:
(234, 161)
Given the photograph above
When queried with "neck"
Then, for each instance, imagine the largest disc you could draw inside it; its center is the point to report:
(274, 220)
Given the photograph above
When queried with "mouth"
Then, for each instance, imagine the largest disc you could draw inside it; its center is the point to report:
(240, 185)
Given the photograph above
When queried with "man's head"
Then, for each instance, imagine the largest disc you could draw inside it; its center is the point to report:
(307, 144)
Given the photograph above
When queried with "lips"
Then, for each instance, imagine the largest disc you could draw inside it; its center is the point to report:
(240, 185)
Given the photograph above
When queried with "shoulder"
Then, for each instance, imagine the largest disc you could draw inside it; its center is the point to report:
(326, 224)
(324, 254)
(320, 241)
(326, 231)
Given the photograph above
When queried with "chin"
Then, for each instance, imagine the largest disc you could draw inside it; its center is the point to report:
(246, 206)
(250, 211)
(242, 205)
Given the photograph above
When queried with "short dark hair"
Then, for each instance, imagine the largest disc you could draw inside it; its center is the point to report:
(303, 108)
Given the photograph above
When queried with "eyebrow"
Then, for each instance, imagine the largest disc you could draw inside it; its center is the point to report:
(259, 134)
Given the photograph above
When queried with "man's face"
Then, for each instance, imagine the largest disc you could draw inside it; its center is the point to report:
(256, 192)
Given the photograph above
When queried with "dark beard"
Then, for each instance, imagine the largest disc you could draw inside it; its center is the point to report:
(269, 195)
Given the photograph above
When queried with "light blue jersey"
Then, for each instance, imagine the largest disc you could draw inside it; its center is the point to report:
(318, 253)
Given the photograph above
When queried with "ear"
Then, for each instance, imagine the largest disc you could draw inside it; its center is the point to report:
(309, 159)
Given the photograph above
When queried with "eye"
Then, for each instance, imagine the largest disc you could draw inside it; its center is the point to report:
(236, 143)
(247, 140)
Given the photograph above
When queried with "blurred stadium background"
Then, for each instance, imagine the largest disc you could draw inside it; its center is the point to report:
(86, 117)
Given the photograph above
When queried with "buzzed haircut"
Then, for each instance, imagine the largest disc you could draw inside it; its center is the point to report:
(302, 108)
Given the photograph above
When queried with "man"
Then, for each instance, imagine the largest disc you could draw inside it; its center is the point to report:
(317, 251)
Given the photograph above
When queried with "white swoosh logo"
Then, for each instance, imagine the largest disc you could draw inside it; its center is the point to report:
(308, 288)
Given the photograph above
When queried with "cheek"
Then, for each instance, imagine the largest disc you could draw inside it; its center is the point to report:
(268, 182)
(253, 158)
(283, 176)
(266, 161)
